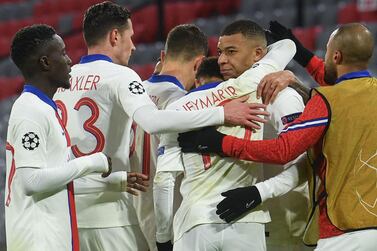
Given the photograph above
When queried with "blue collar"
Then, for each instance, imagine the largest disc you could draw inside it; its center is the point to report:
(352, 75)
(94, 57)
(40, 95)
(165, 78)
(205, 87)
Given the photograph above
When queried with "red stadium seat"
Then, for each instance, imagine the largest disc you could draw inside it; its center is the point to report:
(144, 71)
(348, 14)
(10, 86)
(212, 46)
(307, 36)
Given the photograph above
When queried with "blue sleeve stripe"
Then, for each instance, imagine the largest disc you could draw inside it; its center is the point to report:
(307, 124)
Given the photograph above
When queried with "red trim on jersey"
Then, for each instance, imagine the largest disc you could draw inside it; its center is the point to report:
(316, 68)
(133, 144)
(71, 197)
(147, 154)
(206, 161)
(12, 172)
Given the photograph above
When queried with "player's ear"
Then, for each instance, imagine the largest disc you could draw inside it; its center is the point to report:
(113, 37)
(198, 61)
(338, 57)
(259, 53)
(44, 63)
(162, 56)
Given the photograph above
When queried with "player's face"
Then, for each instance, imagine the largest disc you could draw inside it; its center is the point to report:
(60, 63)
(126, 46)
(236, 55)
(330, 67)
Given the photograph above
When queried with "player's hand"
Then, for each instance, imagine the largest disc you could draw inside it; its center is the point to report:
(206, 140)
(104, 175)
(279, 31)
(166, 246)
(136, 182)
(237, 202)
(238, 112)
(273, 83)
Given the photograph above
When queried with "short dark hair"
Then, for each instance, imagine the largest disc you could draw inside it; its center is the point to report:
(101, 18)
(186, 41)
(27, 43)
(209, 68)
(247, 28)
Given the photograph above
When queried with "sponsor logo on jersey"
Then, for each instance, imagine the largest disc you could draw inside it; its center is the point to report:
(30, 141)
(136, 87)
(160, 151)
(290, 118)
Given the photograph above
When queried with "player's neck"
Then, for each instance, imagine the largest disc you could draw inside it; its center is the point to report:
(101, 50)
(181, 72)
(42, 85)
(344, 69)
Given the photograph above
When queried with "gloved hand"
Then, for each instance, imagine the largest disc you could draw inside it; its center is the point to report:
(279, 32)
(237, 202)
(166, 246)
(205, 140)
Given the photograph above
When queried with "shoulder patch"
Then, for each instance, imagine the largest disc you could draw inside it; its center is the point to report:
(30, 141)
(290, 118)
(136, 88)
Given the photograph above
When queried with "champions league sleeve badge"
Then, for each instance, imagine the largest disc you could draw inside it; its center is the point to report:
(136, 87)
(30, 141)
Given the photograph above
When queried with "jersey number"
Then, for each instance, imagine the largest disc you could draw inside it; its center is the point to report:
(88, 124)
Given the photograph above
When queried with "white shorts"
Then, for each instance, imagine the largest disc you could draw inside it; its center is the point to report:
(363, 240)
(127, 238)
(224, 237)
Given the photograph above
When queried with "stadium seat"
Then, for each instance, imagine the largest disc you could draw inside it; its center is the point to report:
(144, 71)
(348, 14)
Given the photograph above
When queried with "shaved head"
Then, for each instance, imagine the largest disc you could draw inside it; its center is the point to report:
(355, 42)
(351, 46)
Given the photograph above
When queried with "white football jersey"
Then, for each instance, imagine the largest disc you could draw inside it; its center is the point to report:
(98, 110)
(288, 212)
(207, 176)
(162, 89)
(36, 139)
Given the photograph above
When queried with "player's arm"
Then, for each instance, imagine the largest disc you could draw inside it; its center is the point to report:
(137, 104)
(313, 64)
(30, 147)
(169, 166)
(40, 180)
(303, 133)
(120, 181)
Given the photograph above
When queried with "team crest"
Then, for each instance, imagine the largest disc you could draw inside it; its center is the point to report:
(136, 87)
(30, 141)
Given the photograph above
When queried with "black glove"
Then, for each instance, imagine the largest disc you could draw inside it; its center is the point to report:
(302, 55)
(206, 140)
(166, 246)
(237, 202)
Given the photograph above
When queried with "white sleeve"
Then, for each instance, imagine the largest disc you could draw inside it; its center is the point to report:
(132, 96)
(284, 182)
(94, 183)
(163, 197)
(153, 120)
(36, 180)
(287, 107)
(278, 56)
